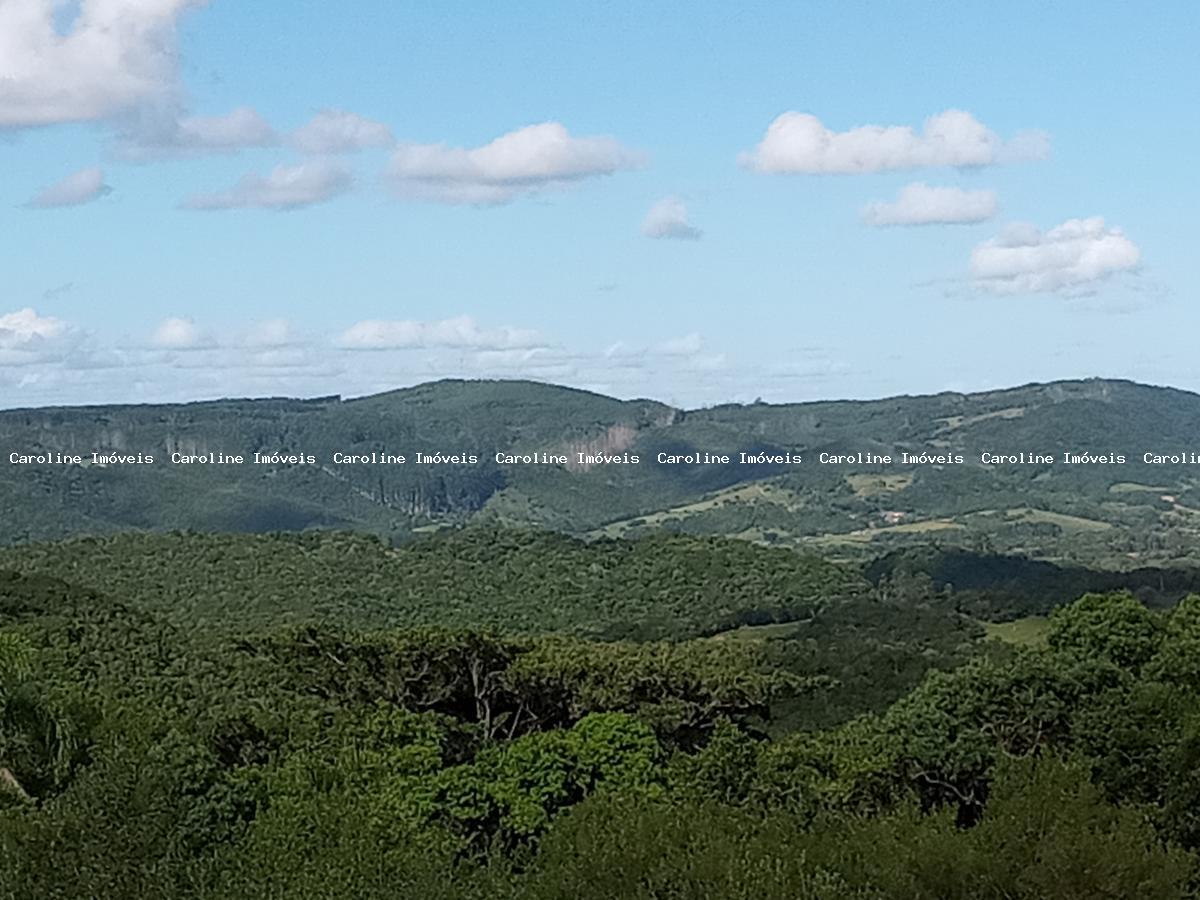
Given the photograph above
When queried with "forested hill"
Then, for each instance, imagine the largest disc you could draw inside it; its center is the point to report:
(526, 582)
(1132, 512)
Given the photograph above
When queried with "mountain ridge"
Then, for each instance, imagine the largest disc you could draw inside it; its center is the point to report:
(400, 392)
(1062, 511)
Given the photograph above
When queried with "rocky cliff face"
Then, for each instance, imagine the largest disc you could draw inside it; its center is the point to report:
(615, 439)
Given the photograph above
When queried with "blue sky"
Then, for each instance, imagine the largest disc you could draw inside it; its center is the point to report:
(697, 202)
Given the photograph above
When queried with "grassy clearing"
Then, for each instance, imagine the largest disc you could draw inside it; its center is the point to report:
(951, 423)
(1062, 520)
(865, 535)
(877, 485)
(1030, 631)
(758, 632)
(1132, 487)
(745, 495)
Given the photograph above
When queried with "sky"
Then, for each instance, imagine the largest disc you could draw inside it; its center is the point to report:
(696, 202)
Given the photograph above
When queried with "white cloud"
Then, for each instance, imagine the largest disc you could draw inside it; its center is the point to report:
(25, 326)
(688, 345)
(157, 135)
(537, 362)
(685, 348)
(1072, 257)
(116, 55)
(43, 360)
(74, 190)
(668, 218)
(460, 332)
(799, 143)
(180, 334)
(711, 362)
(283, 188)
(281, 357)
(27, 338)
(338, 131)
(520, 162)
(622, 350)
(271, 334)
(920, 204)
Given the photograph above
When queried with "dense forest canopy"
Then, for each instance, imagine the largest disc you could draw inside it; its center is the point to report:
(516, 580)
(515, 714)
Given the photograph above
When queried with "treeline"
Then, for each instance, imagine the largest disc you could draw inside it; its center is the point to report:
(996, 587)
(538, 582)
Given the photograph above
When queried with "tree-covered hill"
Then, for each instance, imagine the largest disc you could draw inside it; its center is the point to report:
(521, 581)
(1119, 515)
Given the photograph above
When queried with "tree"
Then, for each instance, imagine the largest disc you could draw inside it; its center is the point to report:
(511, 792)
(1177, 660)
(39, 743)
(1114, 627)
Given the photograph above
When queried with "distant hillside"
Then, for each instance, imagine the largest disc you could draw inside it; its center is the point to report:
(1131, 514)
(520, 581)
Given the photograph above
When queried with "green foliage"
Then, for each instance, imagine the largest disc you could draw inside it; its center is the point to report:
(1178, 658)
(681, 689)
(1113, 627)
(1004, 587)
(16, 656)
(511, 793)
(723, 770)
(949, 731)
(508, 687)
(41, 743)
(160, 754)
(852, 770)
(1047, 833)
(872, 650)
(521, 581)
(615, 846)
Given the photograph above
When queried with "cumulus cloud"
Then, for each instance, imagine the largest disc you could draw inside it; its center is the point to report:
(283, 188)
(76, 189)
(920, 204)
(338, 131)
(27, 338)
(459, 332)
(1072, 258)
(799, 143)
(668, 218)
(116, 55)
(25, 326)
(519, 162)
(157, 135)
(180, 334)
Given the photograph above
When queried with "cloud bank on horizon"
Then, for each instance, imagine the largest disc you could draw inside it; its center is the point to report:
(117, 90)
